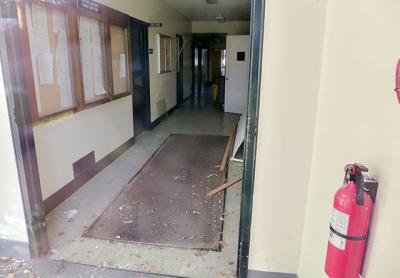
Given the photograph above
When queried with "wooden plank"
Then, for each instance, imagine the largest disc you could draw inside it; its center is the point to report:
(224, 186)
(227, 151)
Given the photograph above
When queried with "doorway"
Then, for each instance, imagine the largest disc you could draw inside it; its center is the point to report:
(140, 76)
(250, 145)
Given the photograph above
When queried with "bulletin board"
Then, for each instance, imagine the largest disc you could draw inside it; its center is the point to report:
(120, 59)
(48, 43)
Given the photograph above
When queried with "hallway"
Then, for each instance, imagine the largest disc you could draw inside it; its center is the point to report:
(196, 116)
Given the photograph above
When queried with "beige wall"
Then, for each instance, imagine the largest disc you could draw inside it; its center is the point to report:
(61, 142)
(12, 218)
(357, 121)
(292, 55)
(230, 27)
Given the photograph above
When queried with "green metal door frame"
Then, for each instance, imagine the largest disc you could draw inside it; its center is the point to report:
(250, 143)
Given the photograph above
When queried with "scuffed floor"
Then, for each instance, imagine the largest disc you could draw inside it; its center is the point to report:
(166, 203)
(12, 268)
(92, 199)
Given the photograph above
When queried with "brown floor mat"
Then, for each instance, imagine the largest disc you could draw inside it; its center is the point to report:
(166, 203)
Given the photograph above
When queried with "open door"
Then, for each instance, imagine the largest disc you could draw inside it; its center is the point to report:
(237, 73)
(140, 76)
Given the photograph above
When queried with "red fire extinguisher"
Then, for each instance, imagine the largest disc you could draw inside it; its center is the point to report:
(350, 222)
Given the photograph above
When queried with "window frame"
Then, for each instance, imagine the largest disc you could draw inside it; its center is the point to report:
(72, 13)
(160, 37)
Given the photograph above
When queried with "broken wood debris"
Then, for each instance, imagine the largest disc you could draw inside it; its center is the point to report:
(226, 154)
(228, 149)
(224, 186)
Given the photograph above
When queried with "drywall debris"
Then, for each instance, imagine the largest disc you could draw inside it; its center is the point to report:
(222, 243)
(70, 214)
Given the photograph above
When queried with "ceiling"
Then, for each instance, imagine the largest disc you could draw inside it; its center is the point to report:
(199, 10)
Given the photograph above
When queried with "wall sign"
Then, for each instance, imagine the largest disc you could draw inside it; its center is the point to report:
(89, 5)
(241, 56)
(159, 25)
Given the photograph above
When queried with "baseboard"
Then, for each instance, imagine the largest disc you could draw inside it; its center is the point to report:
(263, 274)
(187, 98)
(14, 249)
(70, 188)
(162, 117)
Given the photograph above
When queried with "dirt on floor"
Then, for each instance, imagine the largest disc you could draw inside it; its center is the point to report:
(43, 268)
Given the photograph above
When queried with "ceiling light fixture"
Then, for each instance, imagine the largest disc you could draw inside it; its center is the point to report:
(219, 17)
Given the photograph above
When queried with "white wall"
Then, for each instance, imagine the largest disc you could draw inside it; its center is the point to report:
(230, 27)
(292, 53)
(12, 218)
(162, 86)
(357, 121)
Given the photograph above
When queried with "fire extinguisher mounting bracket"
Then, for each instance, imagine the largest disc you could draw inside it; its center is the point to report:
(354, 172)
(371, 187)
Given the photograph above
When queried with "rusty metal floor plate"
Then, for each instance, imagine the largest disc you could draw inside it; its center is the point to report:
(165, 203)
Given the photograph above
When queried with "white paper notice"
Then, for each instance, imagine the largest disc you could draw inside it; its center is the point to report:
(97, 54)
(45, 68)
(40, 29)
(122, 66)
(86, 54)
(98, 75)
(58, 21)
(66, 95)
(92, 58)
(33, 56)
(63, 71)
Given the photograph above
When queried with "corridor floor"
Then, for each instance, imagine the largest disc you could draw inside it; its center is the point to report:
(196, 116)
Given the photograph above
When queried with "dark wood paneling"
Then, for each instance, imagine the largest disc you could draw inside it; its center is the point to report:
(18, 95)
(84, 166)
(84, 169)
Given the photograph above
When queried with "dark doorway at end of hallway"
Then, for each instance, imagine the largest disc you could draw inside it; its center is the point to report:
(209, 64)
(140, 76)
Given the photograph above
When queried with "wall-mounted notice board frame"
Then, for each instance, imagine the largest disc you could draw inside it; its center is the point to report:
(68, 58)
(47, 33)
(119, 57)
(164, 53)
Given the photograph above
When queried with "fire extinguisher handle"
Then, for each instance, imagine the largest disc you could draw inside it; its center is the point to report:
(362, 167)
(355, 169)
